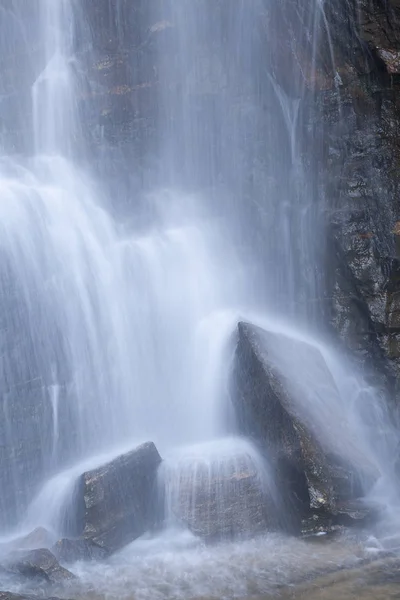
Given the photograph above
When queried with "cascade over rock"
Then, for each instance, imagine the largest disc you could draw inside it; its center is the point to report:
(279, 410)
(164, 165)
(69, 551)
(219, 492)
(225, 508)
(118, 498)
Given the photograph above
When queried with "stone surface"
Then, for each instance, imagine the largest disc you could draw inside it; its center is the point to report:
(38, 564)
(118, 498)
(38, 538)
(273, 402)
(221, 500)
(69, 551)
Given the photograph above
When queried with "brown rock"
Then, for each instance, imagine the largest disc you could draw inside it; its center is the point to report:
(38, 564)
(220, 499)
(118, 498)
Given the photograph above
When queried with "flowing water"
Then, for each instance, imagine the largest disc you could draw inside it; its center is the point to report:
(118, 330)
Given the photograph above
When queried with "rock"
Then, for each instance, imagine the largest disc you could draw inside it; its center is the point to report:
(38, 564)
(219, 498)
(69, 551)
(117, 498)
(286, 398)
(38, 538)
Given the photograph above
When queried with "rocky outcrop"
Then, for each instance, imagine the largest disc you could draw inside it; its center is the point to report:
(38, 564)
(286, 398)
(356, 118)
(117, 499)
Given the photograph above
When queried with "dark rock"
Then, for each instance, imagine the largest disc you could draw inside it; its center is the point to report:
(68, 551)
(297, 419)
(38, 564)
(347, 514)
(118, 498)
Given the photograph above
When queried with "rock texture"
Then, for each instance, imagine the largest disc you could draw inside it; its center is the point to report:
(272, 405)
(118, 498)
(38, 564)
(221, 499)
(69, 551)
(359, 117)
(348, 124)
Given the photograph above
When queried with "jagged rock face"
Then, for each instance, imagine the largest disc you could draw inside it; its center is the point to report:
(117, 499)
(353, 117)
(359, 169)
(282, 412)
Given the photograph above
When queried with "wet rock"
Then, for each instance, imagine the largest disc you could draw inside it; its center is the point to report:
(286, 398)
(117, 498)
(219, 500)
(346, 515)
(38, 538)
(38, 564)
(69, 551)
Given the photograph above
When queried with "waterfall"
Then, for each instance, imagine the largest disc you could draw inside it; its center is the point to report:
(119, 300)
(115, 335)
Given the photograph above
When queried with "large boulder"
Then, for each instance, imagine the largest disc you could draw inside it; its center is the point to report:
(220, 496)
(39, 565)
(117, 498)
(286, 398)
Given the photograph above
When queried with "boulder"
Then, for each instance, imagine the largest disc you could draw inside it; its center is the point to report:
(38, 564)
(286, 398)
(220, 497)
(117, 498)
(69, 551)
(223, 508)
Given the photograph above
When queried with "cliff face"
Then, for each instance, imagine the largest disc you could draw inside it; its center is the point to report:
(344, 59)
(359, 167)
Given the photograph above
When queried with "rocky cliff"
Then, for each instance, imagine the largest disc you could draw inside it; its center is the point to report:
(343, 59)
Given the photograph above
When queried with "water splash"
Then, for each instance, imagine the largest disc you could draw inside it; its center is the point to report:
(219, 490)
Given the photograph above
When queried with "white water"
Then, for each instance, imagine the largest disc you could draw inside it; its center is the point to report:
(133, 332)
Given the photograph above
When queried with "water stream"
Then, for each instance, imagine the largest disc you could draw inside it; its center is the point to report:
(114, 331)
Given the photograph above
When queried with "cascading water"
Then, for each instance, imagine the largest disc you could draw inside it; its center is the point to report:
(117, 332)
(119, 325)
